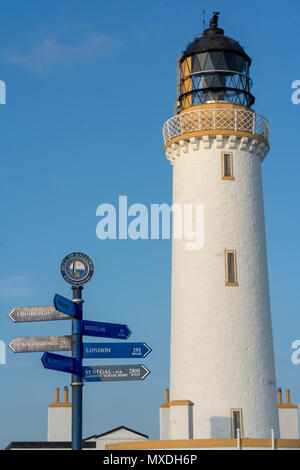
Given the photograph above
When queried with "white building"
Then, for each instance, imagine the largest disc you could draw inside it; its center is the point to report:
(221, 334)
(114, 436)
(288, 417)
(60, 418)
(222, 374)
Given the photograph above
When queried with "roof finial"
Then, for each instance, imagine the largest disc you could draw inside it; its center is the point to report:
(213, 23)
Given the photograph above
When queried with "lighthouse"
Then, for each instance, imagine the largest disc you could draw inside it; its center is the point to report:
(222, 374)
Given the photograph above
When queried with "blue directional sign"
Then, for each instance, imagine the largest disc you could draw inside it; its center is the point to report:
(105, 330)
(68, 307)
(114, 373)
(58, 362)
(115, 350)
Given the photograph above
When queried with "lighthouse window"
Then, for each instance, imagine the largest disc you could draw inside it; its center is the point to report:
(236, 422)
(230, 268)
(227, 166)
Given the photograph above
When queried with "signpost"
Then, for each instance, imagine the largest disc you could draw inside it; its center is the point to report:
(115, 350)
(41, 344)
(67, 306)
(77, 269)
(58, 362)
(114, 373)
(105, 330)
(32, 314)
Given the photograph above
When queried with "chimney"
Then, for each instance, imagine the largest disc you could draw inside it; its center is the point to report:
(66, 395)
(279, 395)
(287, 394)
(60, 418)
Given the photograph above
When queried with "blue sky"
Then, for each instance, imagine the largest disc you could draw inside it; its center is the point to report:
(89, 85)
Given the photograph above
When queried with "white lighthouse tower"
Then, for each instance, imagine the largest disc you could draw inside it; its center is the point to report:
(222, 379)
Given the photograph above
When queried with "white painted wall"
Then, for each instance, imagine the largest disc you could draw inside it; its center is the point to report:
(181, 422)
(221, 337)
(164, 423)
(59, 423)
(289, 423)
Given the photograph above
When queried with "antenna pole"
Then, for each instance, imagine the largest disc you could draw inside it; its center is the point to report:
(203, 20)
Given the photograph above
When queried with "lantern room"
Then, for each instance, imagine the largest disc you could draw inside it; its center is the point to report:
(214, 68)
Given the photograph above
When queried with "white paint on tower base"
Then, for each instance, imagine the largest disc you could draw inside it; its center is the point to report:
(221, 336)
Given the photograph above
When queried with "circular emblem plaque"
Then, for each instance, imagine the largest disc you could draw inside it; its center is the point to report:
(77, 268)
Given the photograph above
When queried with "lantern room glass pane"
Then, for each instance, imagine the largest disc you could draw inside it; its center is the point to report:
(215, 57)
(222, 62)
(202, 58)
(195, 64)
(230, 60)
(198, 62)
(208, 80)
(239, 63)
(209, 63)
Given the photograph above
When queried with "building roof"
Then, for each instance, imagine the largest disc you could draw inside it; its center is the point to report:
(213, 39)
(96, 436)
(47, 445)
(87, 443)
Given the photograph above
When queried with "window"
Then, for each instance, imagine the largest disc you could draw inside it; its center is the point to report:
(230, 268)
(227, 166)
(236, 419)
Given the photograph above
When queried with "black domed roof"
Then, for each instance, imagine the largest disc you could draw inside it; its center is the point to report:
(213, 39)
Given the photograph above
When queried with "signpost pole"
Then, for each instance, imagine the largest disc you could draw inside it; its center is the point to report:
(77, 382)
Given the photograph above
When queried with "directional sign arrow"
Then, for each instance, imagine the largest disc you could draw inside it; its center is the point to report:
(116, 350)
(41, 344)
(58, 362)
(105, 330)
(41, 313)
(114, 373)
(67, 306)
